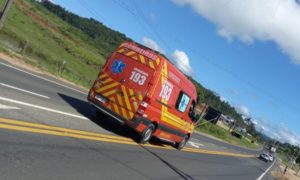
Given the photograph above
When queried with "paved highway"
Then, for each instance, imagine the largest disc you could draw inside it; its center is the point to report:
(39, 139)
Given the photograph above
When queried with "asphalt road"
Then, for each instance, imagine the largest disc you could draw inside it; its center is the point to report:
(40, 154)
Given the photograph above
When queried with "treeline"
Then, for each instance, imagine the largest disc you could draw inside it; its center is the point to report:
(106, 39)
(209, 97)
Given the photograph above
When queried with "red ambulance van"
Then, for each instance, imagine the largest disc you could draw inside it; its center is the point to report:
(141, 88)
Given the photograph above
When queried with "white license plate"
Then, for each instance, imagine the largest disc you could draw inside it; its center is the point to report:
(101, 99)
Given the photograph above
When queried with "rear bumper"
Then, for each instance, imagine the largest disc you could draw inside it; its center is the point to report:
(136, 123)
(108, 112)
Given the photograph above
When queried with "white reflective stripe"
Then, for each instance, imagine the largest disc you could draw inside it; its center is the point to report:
(2, 106)
(40, 77)
(23, 90)
(42, 108)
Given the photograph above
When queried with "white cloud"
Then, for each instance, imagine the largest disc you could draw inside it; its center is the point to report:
(182, 61)
(180, 58)
(250, 20)
(152, 44)
(243, 110)
(277, 131)
(223, 99)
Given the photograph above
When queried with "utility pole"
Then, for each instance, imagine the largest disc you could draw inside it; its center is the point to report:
(4, 11)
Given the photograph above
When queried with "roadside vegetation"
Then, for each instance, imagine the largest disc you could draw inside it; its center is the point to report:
(50, 43)
(225, 135)
(287, 153)
(47, 36)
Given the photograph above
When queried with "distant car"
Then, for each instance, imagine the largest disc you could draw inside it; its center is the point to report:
(265, 157)
(271, 158)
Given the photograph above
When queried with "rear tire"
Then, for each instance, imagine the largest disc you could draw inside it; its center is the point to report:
(182, 143)
(147, 134)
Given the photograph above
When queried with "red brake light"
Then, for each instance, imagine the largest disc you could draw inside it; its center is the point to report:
(144, 104)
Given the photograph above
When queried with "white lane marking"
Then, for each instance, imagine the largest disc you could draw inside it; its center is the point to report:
(266, 171)
(40, 77)
(23, 90)
(2, 106)
(195, 144)
(42, 108)
(196, 141)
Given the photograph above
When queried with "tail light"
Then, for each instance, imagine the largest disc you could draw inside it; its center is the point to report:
(143, 106)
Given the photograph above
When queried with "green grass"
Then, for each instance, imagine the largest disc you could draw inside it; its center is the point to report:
(285, 160)
(225, 135)
(50, 42)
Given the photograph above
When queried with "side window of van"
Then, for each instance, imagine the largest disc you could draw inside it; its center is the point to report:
(182, 102)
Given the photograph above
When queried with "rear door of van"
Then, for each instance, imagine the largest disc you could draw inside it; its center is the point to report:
(128, 78)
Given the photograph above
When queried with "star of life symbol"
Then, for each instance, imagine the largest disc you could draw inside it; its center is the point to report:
(118, 66)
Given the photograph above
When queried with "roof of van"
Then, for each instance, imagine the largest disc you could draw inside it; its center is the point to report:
(182, 75)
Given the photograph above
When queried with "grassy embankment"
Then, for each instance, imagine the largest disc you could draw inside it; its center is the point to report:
(50, 42)
(286, 161)
(225, 135)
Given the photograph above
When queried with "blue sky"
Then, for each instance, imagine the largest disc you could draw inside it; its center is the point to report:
(248, 54)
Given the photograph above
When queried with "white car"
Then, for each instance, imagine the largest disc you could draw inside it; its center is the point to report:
(271, 158)
(265, 157)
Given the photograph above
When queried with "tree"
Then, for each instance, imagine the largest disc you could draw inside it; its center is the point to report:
(106, 39)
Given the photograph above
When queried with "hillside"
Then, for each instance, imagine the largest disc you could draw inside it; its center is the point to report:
(54, 35)
(50, 41)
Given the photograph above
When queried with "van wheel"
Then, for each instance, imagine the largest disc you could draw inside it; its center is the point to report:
(182, 143)
(147, 134)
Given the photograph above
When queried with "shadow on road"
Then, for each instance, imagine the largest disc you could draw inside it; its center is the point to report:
(102, 120)
(115, 127)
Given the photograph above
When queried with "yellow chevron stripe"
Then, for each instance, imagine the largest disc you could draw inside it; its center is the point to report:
(134, 57)
(116, 107)
(151, 64)
(130, 53)
(109, 93)
(121, 103)
(157, 61)
(112, 99)
(107, 87)
(126, 98)
(109, 107)
(107, 81)
(124, 113)
(123, 44)
(131, 92)
(133, 97)
(142, 59)
(130, 114)
(103, 76)
(140, 96)
(121, 51)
